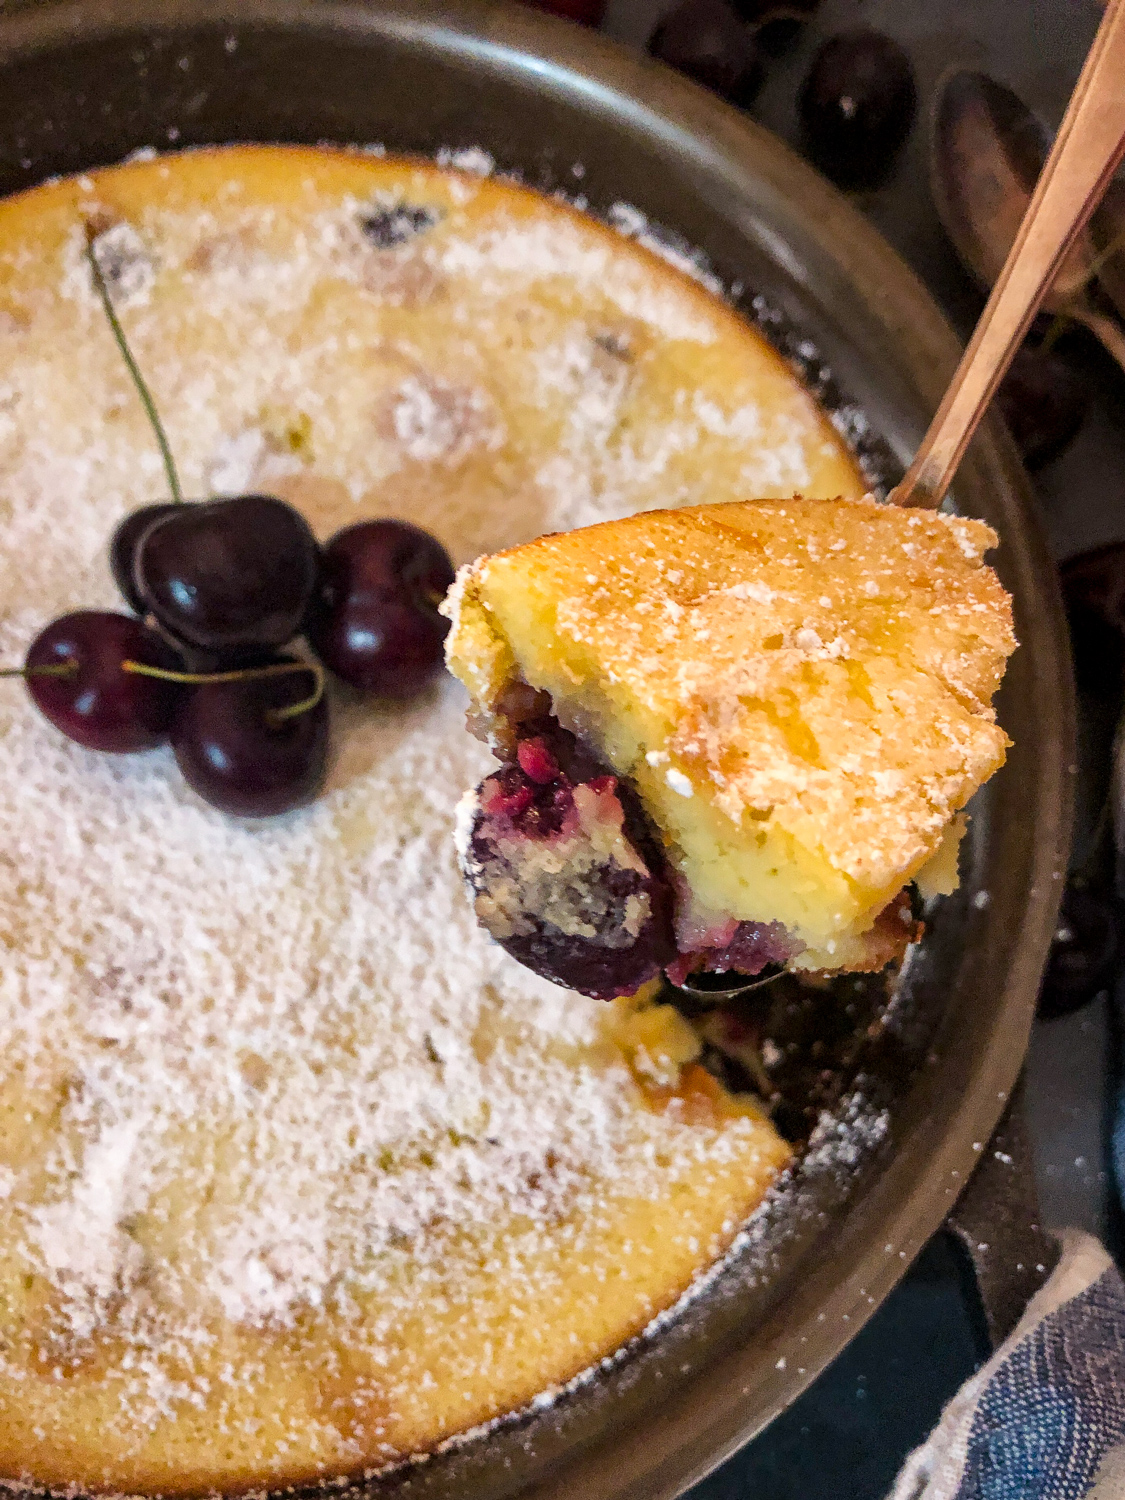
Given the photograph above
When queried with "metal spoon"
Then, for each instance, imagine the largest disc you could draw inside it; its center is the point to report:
(716, 989)
(987, 150)
(1087, 151)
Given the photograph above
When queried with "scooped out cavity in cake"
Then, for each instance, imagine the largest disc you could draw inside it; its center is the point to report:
(731, 735)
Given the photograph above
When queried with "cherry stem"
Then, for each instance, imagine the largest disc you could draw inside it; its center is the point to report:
(1057, 327)
(306, 705)
(1106, 255)
(64, 669)
(244, 674)
(134, 370)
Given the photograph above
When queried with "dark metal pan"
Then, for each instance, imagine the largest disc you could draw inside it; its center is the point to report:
(82, 84)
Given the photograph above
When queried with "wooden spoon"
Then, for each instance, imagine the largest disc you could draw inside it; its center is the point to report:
(1087, 150)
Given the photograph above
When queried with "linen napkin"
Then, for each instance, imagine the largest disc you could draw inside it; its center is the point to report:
(1044, 1419)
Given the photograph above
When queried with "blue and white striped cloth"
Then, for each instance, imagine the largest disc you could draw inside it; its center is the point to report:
(1044, 1419)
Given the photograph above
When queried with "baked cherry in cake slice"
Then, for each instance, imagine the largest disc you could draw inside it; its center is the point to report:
(731, 735)
(565, 868)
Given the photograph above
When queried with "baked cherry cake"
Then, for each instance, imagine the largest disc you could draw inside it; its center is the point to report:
(300, 1172)
(732, 735)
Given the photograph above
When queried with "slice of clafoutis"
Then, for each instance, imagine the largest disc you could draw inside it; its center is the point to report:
(731, 736)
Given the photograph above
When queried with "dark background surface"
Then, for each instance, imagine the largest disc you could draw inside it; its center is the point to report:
(847, 1436)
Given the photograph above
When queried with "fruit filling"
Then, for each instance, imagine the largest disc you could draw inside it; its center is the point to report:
(568, 875)
(564, 871)
(710, 942)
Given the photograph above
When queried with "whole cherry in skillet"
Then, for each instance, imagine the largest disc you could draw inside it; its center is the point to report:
(88, 673)
(218, 575)
(232, 579)
(228, 575)
(252, 741)
(375, 619)
(123, 548)
(255, 743)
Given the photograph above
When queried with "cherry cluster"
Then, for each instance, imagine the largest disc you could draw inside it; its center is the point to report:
(856, 105)
(858, 100)
(221, 590)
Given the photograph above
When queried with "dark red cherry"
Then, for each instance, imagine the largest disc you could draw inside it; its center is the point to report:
(588, 12)
(228, 575)
(235, 750)
(1043, 399)
(97, 703)
(777, 23)
(375, 620)
(543, 884)
(123, 549)
(857, 105)
(707, 41)
(1084, 953)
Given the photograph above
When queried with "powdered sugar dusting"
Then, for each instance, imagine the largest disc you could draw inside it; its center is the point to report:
(843, 1143)
(841, 1140)
(467, 159)
(539, 249)
(253, 1071)
(629, 220)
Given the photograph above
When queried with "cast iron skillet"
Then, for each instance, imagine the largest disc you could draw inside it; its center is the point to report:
(82, 84)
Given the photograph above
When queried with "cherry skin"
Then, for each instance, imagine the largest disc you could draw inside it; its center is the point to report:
(233, 750)
(123, 549)
(99, 704)
(543, 891)
(777, 22)
(707, 41)
(1043, 399)
(228, 575)
(857, 105)
(375, 621)
(588, 12)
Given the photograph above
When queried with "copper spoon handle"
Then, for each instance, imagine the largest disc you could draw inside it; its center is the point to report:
(1086, 153)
